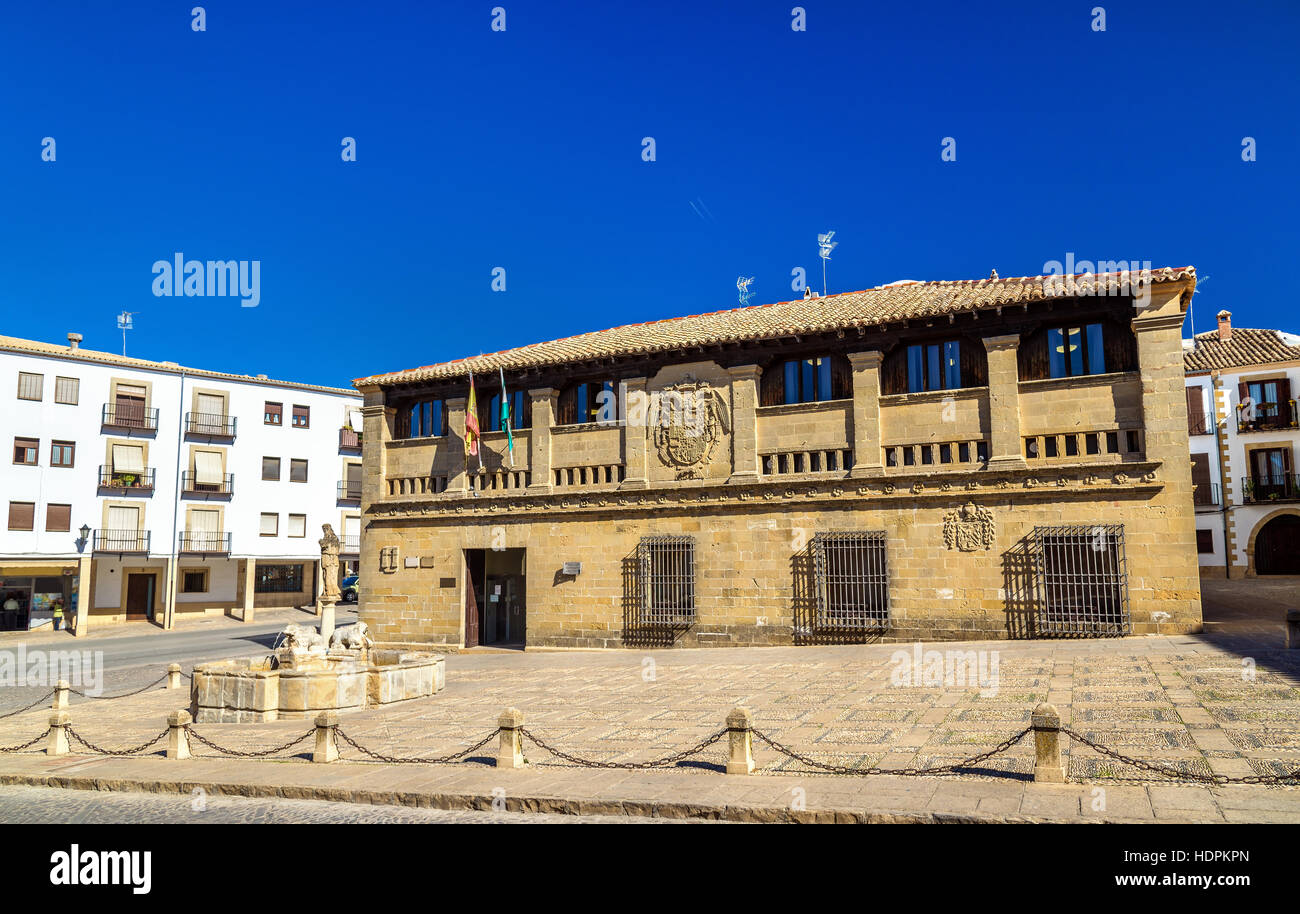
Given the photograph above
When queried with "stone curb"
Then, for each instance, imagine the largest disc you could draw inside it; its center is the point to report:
(522, 804)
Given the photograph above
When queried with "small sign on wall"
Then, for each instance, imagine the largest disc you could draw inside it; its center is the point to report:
(572, 569)
(426, 561)
(411, 562)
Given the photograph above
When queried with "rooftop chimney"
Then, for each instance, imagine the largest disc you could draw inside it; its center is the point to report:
(1225, 326)
(74, 340)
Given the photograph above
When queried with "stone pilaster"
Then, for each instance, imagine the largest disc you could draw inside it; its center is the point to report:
(457, 478)
(377, 430)
(866, 413)
(635, 433)
(1004, 402)
(539, 437)
(744, 422)
(85, 592)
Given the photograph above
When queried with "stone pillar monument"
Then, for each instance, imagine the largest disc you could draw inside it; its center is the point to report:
(329, 572)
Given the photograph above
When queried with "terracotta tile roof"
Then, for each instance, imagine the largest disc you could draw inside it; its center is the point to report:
(80, 354)
(1246, 347)
(867, 308)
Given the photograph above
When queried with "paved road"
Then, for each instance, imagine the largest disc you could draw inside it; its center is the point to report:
(41, 805)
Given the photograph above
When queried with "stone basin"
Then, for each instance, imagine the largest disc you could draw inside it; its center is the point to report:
(290, 687)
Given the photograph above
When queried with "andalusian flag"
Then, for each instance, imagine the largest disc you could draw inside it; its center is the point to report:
(472, 431)
(505, 419)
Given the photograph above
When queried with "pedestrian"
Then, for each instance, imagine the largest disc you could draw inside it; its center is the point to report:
(58, 615)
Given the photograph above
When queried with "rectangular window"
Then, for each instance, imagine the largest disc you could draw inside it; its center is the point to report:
(302, 416)
(58, 518)
(22, 515)
(208, 476)
(1081, 580)
(851, 581)
(30, 386)
(62, 453)
(1204, 541)
(131, 406)
(270, 525)
(272, 413)
(26, 451)
(808, 380)
(517, 413)
(667, 580)
(194, 581)
(422, 419)
(297, 525)
(67, 390)
(1075, 351)
(271, 469)
(278, 579)
(297, 471)
(934, 366)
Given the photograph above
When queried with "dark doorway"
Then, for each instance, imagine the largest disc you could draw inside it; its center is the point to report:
(139, 596)
(495, 607)
(1277, 546)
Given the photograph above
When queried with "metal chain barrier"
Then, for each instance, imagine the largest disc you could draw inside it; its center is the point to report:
(238, 753)
(100, 750)
(40, 701)
(455, 756)
(905, 772)
(162, 678)
(631, 766)
(1270, 780)
(26, 745)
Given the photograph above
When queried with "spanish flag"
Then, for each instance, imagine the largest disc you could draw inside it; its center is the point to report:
(472, 431)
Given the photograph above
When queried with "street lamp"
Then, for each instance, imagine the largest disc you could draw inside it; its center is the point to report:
(85, 537)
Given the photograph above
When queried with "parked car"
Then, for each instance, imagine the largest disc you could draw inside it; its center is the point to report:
(349, 589)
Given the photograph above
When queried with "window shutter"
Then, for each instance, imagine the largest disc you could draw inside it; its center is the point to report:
(30, 386)
(207, 468)
(1201, 479)
(893, 372)
(22, 515)
(128, 459)
(1033, 356)
(123, 518)
(566, 412)
(1243, 391)
(974, 363)
(66, 390)
(1283, 398)
(270, 524)
(771, 385)
(841, 378)
(58, 518)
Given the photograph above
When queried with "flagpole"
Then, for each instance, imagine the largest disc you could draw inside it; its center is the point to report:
(507, 419)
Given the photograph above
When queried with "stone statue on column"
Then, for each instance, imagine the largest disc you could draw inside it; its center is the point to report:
(329, 571)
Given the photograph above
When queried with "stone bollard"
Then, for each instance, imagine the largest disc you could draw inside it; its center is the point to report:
(1293, 629)
(61, 689)
(1046, 722)
(178, 738)
(174, 676)
(58, 743)
(511, 752)
(327, 746)
(740, 726)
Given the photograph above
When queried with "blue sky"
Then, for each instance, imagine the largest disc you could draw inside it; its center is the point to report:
(522, 150)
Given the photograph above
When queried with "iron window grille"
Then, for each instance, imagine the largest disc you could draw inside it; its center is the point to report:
(667, 585)
(1081, 580)
(851, 581)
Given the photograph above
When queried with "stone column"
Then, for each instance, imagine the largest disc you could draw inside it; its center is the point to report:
(250, 584)
(85, 593)
(457, 478)
(744, 422)
(866, 413)
(539, 437)
(377, 431)
(635, 406)
(1004, 402)
(169, 598)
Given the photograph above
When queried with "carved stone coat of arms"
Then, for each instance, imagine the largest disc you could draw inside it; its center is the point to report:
(692, 418)
(969, 528)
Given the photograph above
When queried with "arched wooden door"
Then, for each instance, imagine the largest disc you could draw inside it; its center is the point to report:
(1277, 546)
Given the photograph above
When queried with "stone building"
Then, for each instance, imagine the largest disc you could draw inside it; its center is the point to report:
(940, 460)
(1245, 438)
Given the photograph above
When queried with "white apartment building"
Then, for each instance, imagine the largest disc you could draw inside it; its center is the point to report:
(148, 490)
(1245, 439)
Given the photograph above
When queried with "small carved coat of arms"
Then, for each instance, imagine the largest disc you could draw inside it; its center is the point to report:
(691, 420)
(968, 528)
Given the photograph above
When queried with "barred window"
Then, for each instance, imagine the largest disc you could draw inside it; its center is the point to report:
(1081, 580)
(667, 579)
(852, 580)
(278, 579)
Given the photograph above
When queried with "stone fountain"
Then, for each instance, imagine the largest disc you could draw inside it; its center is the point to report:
(309, 671)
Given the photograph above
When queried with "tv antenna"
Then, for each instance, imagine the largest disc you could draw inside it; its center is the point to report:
(825, 245)
(742, 286)
(125, 323)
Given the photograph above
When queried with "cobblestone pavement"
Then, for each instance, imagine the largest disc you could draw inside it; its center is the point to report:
(41, 805)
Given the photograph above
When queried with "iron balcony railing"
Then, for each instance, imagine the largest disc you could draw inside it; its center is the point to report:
(1264, 489)
(349, 439)
(129, 415)
(204, 542)
(1267, 417)
(110, 478)
(191, 486)
(1208, 495)
(349, 490)
(121, 541)
(351, 545)
(213, 425)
